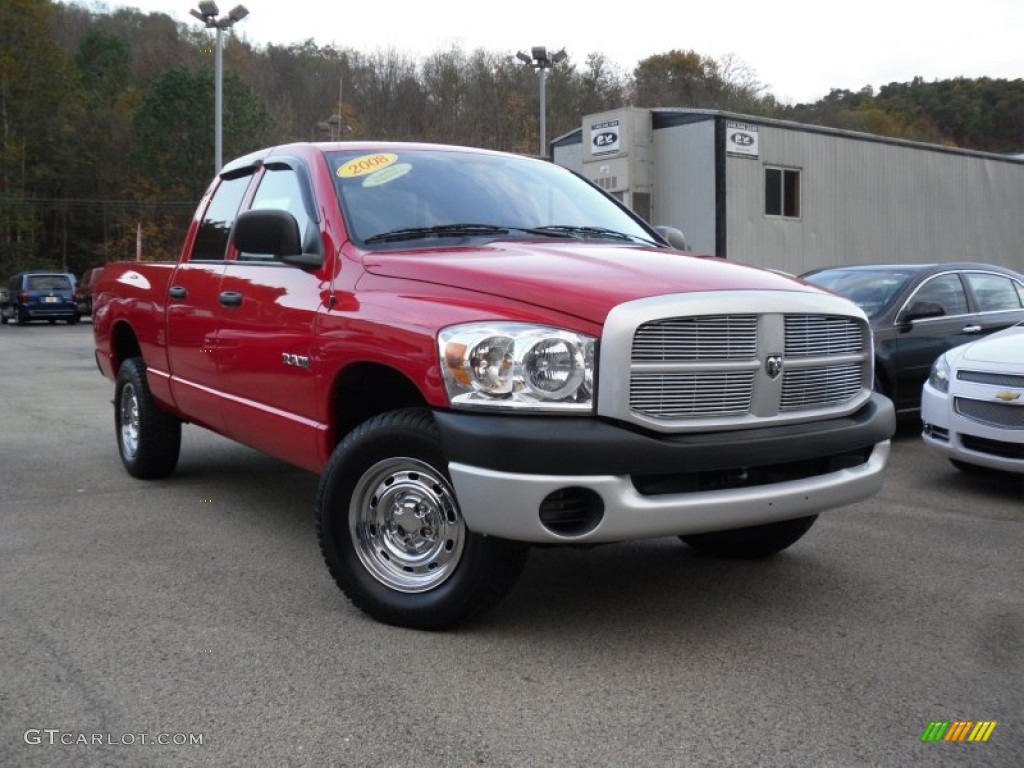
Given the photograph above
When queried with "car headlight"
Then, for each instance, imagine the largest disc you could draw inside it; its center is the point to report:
(939, 376)
(517, 365)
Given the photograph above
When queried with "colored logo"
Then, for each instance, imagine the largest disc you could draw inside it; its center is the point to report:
(958, 730)
(1008, 396)
(361, 166)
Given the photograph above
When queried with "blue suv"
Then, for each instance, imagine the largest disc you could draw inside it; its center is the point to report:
(40, 296)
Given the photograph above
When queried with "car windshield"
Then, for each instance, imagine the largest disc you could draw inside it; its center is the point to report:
(47, 283)
(415, 196)
(870, 289)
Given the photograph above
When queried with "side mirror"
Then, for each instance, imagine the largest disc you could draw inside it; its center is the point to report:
(274, 233)
(673, 237)
(922, 309)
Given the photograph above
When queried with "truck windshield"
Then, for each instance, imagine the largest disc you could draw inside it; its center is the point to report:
(407, 196)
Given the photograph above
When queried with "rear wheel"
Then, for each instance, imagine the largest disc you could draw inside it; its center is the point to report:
(73, 320)
(393, 536)
(751, 543)
(148, 438)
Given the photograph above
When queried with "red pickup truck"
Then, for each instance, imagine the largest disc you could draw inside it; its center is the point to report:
(477, 352)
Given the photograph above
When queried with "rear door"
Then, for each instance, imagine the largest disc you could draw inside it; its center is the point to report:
(193, 305)
(267, 329)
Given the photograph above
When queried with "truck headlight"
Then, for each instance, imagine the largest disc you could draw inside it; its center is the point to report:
(939, 377)
(517, 365)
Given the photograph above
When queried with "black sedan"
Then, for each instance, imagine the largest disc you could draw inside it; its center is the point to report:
(918, 311)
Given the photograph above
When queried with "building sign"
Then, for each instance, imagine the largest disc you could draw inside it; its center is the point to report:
(604, 138)
(741, 139)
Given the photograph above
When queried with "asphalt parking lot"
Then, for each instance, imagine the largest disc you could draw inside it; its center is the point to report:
(198, 609)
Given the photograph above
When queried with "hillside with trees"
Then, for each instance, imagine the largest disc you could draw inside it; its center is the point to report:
(106, 119)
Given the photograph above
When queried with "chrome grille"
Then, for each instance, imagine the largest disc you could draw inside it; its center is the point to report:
(815, 335)
(805, 388)
(708, 360)
(994, 414)
(686, 395)
(996, 379)
(714, 337)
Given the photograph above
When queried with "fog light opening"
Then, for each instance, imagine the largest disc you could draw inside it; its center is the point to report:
(571, 511)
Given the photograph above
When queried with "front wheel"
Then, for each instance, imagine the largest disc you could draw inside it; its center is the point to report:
(148, 438)
(751, 543)
(393, 536)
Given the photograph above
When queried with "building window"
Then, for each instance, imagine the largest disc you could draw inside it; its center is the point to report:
(782, 192)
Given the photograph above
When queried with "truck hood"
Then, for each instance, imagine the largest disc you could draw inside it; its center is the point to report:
(582, 279)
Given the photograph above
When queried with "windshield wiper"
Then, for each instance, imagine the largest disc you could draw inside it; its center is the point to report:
(483, 230)
(570, 230)
(440, 230)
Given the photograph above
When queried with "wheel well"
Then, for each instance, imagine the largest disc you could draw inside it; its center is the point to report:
(123, 344)
(366, 389)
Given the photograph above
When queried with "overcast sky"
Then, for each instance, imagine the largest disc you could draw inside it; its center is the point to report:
(799, 49)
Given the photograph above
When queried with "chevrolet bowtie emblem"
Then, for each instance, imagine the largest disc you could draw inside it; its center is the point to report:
(1007, 396)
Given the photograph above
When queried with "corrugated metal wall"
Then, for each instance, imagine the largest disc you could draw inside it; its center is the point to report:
(867, 201)
(684, 182)
(568, 155)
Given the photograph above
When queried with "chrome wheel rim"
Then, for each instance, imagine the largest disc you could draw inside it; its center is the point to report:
(129, 421)
(406, 525)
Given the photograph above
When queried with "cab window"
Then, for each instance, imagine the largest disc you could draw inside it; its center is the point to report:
(212, 238)
(280, 189)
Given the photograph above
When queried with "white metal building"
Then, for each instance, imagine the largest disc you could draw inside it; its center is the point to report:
(794, 197)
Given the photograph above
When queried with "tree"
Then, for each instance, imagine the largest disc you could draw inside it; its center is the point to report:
(37, 117)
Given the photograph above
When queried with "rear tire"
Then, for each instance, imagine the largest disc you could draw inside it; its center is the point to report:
(148, 438)
(751, 543)
(74, 320)
(392, 534)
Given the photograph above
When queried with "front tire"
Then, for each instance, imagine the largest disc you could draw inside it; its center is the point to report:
(751, 543)
(148, 438)
(393, 536)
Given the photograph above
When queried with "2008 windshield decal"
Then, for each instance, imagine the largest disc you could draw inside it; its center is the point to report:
(365, 164)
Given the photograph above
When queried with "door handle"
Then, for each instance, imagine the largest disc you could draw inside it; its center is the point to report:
(177, 292)
(972, 329)
(231, 298)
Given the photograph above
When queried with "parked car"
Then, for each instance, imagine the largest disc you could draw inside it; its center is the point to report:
(83, 293)
(972, 405)
(919, 311)
(40, 296)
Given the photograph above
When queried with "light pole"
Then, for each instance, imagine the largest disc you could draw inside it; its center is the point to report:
(539, 60)
(208, 13)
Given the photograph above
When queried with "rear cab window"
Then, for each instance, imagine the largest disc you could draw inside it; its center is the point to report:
(212, 236)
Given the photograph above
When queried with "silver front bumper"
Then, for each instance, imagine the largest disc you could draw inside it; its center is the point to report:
(507, 504)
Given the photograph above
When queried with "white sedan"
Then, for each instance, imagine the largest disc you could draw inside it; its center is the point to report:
(972, 405)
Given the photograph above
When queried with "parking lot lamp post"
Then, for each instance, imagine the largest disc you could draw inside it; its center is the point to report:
(539, 60)
(208, 13)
